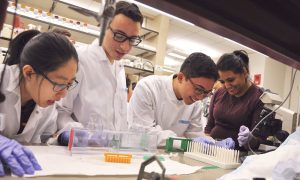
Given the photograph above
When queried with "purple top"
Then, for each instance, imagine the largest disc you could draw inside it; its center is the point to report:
(227, 113)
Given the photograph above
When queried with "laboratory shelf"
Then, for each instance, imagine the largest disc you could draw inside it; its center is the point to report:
(94, 7)
(137, 71)
(140, 50)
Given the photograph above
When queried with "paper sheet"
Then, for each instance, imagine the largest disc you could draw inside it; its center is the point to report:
(262, 165)
(56, 160)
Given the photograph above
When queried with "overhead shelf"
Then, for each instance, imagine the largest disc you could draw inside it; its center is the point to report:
(94, 7)
(148, 33)
(137, 71)
(141, 50)
(5, 38)
(54, 22)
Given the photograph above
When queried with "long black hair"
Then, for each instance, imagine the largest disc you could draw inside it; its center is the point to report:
(16, 46)
(47, 52)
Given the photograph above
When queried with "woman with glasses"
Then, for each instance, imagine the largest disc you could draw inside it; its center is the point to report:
(42, 74)
(236, 106)
(169, 106)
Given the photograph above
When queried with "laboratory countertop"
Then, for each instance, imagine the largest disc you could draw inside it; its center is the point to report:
(206, 174)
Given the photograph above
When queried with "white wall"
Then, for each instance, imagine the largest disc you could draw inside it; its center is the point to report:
(274, 76)
(257, 66)
(293, 101)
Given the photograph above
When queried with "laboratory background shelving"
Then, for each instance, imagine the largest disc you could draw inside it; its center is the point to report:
(55, 13)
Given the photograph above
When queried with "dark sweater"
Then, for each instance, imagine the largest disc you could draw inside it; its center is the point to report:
(227, 113)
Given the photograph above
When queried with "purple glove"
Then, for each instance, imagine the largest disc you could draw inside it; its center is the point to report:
(18, 158)
(83, 138)
(204, 140)
(80, 138)
(63, 138)
(243, 135)
(226, 143)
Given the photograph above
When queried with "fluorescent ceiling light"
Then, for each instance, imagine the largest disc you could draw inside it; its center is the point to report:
(167, 70)
(171, 62)
(191, 47)
(161, 12)
(176, 55)
(244, 46)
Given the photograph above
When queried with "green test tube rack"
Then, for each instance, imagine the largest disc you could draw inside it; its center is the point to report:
(182, 147)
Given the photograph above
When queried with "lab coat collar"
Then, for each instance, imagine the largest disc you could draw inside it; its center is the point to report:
(13, 86)
(99, 51)
(171, 93)
(32, 123)
(101, 56)
(14, 81)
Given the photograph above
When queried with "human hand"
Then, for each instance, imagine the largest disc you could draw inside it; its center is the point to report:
(244, 134)
(80, 138)
(18, 158)
(226, 143)
(204, 140)
(63, 138)
(83, 138)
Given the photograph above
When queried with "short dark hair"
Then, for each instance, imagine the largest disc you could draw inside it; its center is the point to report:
(199, 65)
(130, 10)
(235, 62)
(47, 52)
(17, 44)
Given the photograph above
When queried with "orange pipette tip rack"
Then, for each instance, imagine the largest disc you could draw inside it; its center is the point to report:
(117, 158)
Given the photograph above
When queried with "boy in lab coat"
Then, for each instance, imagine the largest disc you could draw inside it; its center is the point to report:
(169, 106)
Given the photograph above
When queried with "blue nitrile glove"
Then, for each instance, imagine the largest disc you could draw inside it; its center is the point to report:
(63, 138)
(204, 140)
(18, 158)
(83, 138)
(226, 143)
(80, 138)
(244, 134)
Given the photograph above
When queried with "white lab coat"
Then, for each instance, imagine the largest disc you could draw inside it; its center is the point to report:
(42, 121)
(154, 108)
(100, 93)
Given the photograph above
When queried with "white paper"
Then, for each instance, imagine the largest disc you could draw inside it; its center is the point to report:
(262, 165)
(56, 160)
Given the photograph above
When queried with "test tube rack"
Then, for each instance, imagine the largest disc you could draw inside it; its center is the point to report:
(174, 144)
(117, 158)
(212, 154)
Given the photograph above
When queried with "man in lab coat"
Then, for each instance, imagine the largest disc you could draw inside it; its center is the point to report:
(100, 99)
(169, 106)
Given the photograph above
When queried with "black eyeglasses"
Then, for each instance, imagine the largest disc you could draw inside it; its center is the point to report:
(200, 90)
(60, 87)
(122, 37)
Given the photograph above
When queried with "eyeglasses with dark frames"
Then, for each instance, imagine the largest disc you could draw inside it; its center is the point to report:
(122, 37)
(200, 90)
(60, 87)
